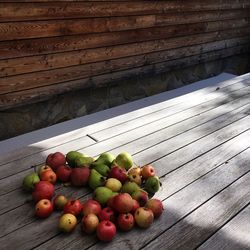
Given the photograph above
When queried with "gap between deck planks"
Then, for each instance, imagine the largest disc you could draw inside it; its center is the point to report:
(9, 169)
(172, 145)
(238, 142)
(13, 181)
(234, 235)
(71, 130)
(177, 206)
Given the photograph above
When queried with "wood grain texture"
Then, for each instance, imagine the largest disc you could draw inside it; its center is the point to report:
(49, 48)
(60, 10)
(38, 29)
(233, 235)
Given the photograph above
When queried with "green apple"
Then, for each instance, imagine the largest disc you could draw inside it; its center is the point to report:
(30, 180)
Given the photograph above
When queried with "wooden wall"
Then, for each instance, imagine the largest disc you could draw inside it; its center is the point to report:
(50, 47)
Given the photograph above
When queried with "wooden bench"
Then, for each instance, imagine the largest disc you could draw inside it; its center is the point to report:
(197, 137)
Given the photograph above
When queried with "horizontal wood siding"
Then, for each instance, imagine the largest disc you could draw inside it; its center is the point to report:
(51, 47)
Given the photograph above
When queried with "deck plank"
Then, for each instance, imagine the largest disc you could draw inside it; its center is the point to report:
(203, 222)
(234, 235)
(64, 132)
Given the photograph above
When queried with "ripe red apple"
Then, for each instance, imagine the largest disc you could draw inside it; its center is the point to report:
(91, 207)
(63, 173)
(125, 221)
(49, 176)
(106, 230)
(107, 214)
(67, 223)
(141, 196)
(43, 208)
(123, 203)
(118, 173)
(147, 171)
(156, 206)
(144, 217)
(111, 203)
(89, 223)
(135, 206)
(73, 207)
(55, 160)
(59, 202)
(80, 176)
(43, 190)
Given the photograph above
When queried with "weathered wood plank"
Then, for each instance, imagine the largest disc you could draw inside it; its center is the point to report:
(44, 93)
(60, 10)
(216, 157)
(35, 142)
(137, 133)
(172, 143)
(28, 47)
(17, 66)
(181, 204)
(234, 235)
(44, 78)
(50, 28)
(203, 222)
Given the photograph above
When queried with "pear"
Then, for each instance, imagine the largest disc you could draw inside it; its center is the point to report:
(101, 168)
(152, 184)
(106, 158)
(30, 180)
(83, 161)
(102, 195)
(96, 179)
(124, 160)
(113, 184)
(129, 187)
(72, 156)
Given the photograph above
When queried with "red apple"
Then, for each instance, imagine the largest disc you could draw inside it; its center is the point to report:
(111, 203)
(43, 208)
(119, 174)
(125, 221)
(91, 207)
(141, 196)
(80, 176)
(89, 223)
(49, 176)
(156, 206)
(147, 171)
(107, 214)
(63, 173)
(55, 160)
(106, 230)
(123, 203)
(73, 207)
(43, 190)
(135, 206)
(59, 202)
(144, 217)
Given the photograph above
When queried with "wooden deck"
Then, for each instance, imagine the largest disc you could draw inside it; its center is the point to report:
(198, 139)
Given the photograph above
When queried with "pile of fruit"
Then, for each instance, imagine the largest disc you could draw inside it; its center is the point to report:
(120, 197)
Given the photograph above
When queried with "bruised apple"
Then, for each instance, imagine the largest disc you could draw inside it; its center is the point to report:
(67, 223)
(59, 202)
(73, 207)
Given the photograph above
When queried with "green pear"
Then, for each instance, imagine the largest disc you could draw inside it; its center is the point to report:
(30, 180)
(113, 184)
(96, 179)
(102, 195)
(106, 158)
(124, 160)
(101, 168)
(129, 187)
(72, 156)
(152, 184)
(83, 161)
